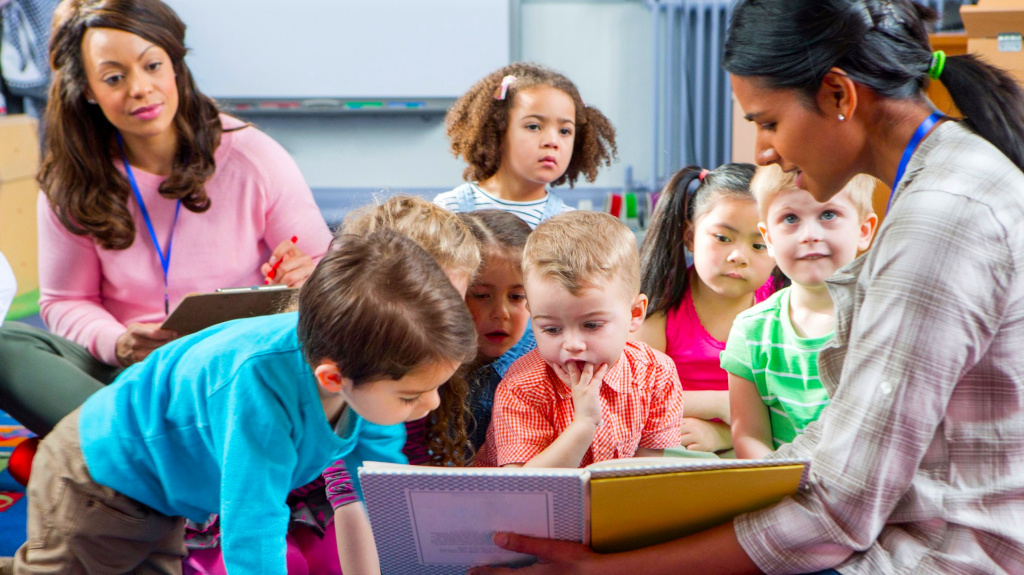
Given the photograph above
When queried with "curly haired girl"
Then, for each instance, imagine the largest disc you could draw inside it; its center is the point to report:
(520, 129)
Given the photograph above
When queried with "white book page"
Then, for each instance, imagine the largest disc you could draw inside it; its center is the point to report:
(455, 527)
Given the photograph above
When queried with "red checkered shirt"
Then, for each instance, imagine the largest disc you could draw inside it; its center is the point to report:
(641, 406)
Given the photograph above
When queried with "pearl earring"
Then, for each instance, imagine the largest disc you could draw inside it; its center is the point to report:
(91, 101)
(842, 117)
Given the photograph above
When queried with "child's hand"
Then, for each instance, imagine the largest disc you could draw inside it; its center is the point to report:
(700, 435)
(586, 389)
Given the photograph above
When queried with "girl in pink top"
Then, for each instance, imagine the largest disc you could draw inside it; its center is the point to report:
(714, 216)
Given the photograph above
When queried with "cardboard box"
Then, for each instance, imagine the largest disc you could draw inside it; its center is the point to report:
(19, 161)
(994, 32)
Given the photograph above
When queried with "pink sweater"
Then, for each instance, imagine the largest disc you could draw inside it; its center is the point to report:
(694, 351)
(258, 199)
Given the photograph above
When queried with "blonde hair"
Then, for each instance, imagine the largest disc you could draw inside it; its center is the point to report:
(566, 248)
(440, 232)
(770, 180)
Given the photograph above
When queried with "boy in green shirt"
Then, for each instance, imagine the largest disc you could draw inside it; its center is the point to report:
(772, 352)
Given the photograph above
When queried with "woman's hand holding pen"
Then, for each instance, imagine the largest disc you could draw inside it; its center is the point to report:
(287, 265)
(139, 341)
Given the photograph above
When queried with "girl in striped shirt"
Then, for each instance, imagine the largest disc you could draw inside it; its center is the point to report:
(520, 129)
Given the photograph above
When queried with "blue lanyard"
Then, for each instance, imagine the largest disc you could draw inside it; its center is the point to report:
(165, 259)
(919, 135)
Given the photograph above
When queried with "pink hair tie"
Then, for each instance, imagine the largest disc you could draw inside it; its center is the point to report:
(703, 174)
(503, 88)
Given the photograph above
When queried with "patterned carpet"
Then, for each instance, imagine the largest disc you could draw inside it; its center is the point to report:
(13, 503)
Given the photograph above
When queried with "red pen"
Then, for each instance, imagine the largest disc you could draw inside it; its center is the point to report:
(273, 269)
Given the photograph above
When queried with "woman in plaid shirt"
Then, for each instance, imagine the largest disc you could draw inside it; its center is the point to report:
(918, 461)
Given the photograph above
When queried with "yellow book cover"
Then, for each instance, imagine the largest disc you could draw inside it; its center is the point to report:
(632, 512)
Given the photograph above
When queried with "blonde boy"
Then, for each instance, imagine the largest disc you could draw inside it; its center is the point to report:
(585, 394)
(772, 352)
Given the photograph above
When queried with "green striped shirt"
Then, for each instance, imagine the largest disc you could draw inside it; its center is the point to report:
(764, 349)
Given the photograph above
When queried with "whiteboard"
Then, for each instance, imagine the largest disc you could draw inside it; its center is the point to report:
(281, 49)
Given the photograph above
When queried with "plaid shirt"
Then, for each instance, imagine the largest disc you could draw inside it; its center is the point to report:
(918, 461)
(641, 406)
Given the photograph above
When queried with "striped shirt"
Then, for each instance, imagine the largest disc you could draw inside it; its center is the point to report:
(531, 212)
(641, 406)
(764, 349)
(918, 460)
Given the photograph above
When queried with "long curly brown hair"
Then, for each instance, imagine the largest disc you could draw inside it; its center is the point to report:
(477, 121)
(85, 189)
(448, 430)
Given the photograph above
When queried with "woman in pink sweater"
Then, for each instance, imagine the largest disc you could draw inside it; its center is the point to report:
(148, 194)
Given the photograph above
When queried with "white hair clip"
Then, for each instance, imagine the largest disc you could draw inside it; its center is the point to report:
(503, 88)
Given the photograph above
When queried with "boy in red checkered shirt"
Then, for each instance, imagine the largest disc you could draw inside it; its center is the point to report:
(586, 394)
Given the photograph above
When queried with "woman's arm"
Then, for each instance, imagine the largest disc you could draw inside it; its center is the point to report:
(69, 303)
(291, 212)
(751, 426)
(713, 551)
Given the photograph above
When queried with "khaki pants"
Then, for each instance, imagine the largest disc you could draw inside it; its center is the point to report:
(76, 525)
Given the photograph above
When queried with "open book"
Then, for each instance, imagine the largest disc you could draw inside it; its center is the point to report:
(440, 519)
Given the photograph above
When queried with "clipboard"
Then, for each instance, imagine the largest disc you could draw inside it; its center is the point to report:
(199, 311)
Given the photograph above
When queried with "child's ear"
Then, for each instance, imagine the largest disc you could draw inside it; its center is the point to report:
(688, 236)
(638, 313)
(867, 231)
(329, 377)
(763, 228)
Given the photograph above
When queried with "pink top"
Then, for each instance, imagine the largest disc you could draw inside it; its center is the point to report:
(258, 199)
(693, 349)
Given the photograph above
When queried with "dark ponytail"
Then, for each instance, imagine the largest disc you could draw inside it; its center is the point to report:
(684, 199)
(882, 44)
(991, 102)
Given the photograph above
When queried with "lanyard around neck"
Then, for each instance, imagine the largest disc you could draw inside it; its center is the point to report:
(165, 259)
(908, 152)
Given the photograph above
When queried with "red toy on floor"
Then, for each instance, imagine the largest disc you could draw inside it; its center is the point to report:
(20, 464)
